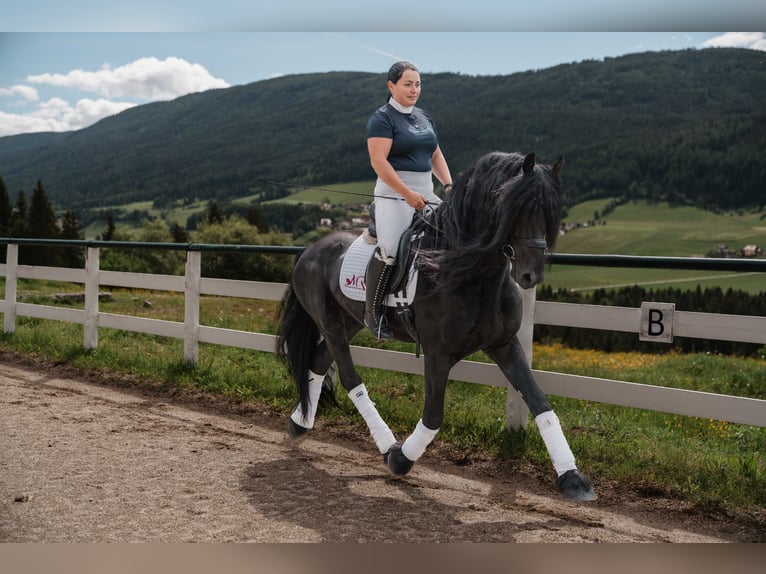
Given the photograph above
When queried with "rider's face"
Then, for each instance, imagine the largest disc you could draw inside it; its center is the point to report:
(407, 90)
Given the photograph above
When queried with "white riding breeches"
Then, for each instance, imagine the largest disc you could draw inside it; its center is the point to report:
(392, 213)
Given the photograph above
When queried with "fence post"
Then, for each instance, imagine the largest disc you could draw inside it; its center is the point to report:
(11, 278)
(516, 410)
(90, 327)
(191, 306)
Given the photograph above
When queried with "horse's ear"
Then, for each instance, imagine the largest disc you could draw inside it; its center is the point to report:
(529, 163)
(558, 167)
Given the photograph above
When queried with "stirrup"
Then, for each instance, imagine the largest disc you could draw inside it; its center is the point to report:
(381, 330)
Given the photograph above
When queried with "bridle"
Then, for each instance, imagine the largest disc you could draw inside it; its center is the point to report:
(532, 242)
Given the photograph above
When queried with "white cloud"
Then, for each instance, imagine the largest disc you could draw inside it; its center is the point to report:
(751, 40)
(145, 78)
(26, 92)
(58, 115)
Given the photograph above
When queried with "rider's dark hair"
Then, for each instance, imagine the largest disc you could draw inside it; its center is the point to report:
(395, 72)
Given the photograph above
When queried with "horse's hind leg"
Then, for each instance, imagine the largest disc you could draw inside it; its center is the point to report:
(320, 377)
(334, 347)
(300, 422)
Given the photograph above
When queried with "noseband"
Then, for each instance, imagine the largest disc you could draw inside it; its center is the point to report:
(531, 242)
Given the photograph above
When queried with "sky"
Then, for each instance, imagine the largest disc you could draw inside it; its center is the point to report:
(66, 65)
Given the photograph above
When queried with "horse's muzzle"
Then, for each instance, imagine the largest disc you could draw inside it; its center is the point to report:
(529, 280)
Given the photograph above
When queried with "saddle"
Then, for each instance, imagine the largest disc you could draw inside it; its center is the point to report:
(404, 276)
(406, 252)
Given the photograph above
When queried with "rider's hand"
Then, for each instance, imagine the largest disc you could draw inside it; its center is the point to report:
(415, 200)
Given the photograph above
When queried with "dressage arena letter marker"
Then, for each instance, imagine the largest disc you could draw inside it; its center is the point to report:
(657, 322)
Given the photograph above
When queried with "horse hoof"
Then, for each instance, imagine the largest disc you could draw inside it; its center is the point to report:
(396, 461)
(575, 485)
(295, 431)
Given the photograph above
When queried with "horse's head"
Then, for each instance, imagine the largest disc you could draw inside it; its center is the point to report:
(535, 196)
(503, 204)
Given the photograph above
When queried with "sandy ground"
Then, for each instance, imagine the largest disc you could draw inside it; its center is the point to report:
(97, 461)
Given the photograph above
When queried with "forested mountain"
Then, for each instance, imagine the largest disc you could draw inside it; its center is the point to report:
(683, 125)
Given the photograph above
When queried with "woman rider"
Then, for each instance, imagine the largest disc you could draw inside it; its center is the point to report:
(404, 152)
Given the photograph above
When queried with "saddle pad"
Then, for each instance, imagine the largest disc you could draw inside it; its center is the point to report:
(354, 267)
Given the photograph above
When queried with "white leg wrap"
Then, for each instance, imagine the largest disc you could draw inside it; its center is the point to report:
(416, 444)
(553, 437)
(381, 434)
(315, 389)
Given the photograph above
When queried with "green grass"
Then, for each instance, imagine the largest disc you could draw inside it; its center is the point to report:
(710, 463)
(643, 228)
(578, 278)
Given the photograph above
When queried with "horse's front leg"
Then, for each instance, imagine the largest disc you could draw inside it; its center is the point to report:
(402, 456)
(512, 361)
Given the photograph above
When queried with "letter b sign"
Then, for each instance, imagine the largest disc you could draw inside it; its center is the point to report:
(657, 322)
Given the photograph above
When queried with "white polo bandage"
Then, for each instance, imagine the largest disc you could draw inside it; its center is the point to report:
(315, 389)
(416, 444)
(553, 437)
(381, 434)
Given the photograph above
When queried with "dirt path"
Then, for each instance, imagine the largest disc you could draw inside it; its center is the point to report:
(87, 462)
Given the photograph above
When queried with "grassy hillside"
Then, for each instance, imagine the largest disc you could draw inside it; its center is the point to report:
(656, 229)
(642, 228)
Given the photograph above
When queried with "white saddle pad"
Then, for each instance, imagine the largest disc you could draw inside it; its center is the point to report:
(354, 267)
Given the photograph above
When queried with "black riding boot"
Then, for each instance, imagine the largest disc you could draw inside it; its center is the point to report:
(376, 282)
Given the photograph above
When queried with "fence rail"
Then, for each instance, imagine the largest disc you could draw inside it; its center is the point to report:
(193, 285)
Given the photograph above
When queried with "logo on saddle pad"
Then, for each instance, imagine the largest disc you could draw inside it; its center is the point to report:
(354, 268)
(356, 282)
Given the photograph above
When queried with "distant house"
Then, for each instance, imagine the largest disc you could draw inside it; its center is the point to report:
(325, 222)
(722, 250)
(751, 250)
(567, 227)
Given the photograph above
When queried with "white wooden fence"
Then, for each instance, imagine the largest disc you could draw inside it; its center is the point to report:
(193, 285)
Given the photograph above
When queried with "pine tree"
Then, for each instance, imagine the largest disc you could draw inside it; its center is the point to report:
(108, 235)
(70, 226)
(6, 213)
(41, 219)
(179, 234)
(255, 218)
(214, 214)
(41, 224)
(70, 229)
(6, 210)
(19, 216)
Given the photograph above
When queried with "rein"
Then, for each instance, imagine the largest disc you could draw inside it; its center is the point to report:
(356, 193)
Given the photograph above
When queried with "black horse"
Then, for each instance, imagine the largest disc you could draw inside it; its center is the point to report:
(503, 208)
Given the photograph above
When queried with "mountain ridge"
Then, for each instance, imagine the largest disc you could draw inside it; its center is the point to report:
(684, 126)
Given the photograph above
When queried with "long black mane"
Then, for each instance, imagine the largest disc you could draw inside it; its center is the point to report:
(486, 206)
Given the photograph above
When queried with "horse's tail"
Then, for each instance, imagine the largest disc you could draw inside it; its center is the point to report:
(296, 343)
